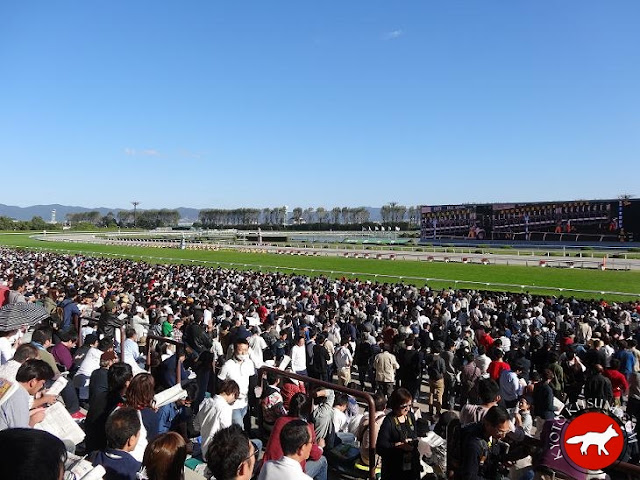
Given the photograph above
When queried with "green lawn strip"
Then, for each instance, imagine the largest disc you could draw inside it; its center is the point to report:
(534, 278)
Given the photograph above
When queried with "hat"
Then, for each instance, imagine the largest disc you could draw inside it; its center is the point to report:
(109, 355)
(139, 309)
(109, 305)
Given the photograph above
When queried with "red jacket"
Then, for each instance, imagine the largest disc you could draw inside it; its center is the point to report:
(496, 368)
(619, 382)
(273, 451)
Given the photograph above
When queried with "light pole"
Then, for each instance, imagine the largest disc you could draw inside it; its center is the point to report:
(135, 206)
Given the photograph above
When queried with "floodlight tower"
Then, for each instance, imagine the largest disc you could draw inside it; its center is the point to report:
(135, 206)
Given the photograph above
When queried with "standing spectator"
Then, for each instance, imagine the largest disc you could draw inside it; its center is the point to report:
(497, 365)
(239, 369)
(299, 357)
(410, 371)
(362, 434)
(343, 360)
(543, 397)
(385, 366)
(397, 439)
(436, 370)
(598, 387)
(619, 384)
(18, 289)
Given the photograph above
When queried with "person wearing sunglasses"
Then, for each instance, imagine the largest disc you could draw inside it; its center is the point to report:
(397, 439)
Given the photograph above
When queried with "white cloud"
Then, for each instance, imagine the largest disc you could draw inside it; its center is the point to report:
(393, 34)
(148, 152)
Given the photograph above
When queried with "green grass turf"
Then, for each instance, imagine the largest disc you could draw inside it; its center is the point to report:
(534, 278)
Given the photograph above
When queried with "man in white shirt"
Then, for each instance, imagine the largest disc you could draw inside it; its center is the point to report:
(216, 413)
(30, 379)
(296, 446)
(299, 357)
(24, 352)
(256, 347)
(239, 368)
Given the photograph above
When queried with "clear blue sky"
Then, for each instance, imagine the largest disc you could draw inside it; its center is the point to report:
(300, 103)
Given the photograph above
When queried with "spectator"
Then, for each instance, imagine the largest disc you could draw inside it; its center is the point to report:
(362, 433)
(343, 360)
(296, 446)
(316, 465)
(164, 457)
(24, 352)
(385, 366)
(31, 454)
(216, 413)
(62, 350)
(123, 430)
(397, 440)
(231, 456)
(239, 369)
(14, 411)
(139, 396)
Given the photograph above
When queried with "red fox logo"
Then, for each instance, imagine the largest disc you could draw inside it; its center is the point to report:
(594, 438)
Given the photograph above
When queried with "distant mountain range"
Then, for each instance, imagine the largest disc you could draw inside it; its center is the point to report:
(44, 211)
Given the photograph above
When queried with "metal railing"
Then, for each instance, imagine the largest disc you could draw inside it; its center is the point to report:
(332, 386)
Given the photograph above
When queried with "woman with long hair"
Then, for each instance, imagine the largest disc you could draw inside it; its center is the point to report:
(164, 457)
(139, 395)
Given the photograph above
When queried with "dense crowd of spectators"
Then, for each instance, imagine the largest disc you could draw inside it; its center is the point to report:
(499, 363)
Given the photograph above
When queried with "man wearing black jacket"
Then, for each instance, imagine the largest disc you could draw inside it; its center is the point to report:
(198, 346)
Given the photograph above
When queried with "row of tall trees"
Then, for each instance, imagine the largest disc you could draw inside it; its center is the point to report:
(149, 218)
(126, 218)
(337, 215)
(226, 217)
(394, 213)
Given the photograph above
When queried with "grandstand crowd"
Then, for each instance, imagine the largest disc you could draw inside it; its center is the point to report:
(470, 375)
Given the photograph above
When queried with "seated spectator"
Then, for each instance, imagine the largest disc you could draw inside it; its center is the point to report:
(176, 415)
(164, 457)
(216, 413)
(362, 433)
(62, 350)
(14, 411)
(132, 354)
(31, 454)
(271, 403)
(296, 444)
(91, 341)
(122, 430)
(90, 363)
(289, 388)
(322, 418)
(98, 383)
(166, 374)
(140, 397)
(231, 455)
(340, 419)
(8, 342)
(103, 403)
(300, 408)
(41, 339)
(24, 352)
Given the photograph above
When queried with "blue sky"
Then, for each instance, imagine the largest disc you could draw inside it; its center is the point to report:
(300, 103)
